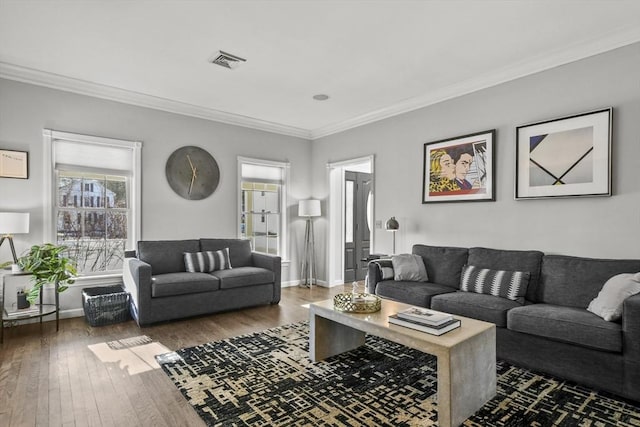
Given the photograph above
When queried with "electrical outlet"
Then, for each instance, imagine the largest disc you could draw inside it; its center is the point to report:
(379, 224)
(20, 290)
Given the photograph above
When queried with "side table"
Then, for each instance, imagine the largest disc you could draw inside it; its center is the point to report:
(42, 309)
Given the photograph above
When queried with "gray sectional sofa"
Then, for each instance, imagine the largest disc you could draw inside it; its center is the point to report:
(161, 288)
(551, 331)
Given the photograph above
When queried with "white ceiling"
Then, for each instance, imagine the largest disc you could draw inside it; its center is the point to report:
(374, 59)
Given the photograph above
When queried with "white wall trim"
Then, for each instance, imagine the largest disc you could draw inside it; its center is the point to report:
(534, 65)
(49, 184)
(83, 87)
(284, 245)
(334, 268)
(614, 40)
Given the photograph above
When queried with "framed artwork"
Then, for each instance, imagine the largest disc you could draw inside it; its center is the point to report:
(565, 157)
(459, 169)
(14, 164)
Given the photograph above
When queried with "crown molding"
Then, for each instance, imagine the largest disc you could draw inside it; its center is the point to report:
(83, 87)
(534, 65)
(537, 64)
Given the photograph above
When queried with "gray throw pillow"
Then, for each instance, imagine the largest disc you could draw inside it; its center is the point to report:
(409, 267)
(608, 303)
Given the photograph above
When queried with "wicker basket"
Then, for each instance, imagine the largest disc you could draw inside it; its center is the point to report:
(356, 303)
(105, 305)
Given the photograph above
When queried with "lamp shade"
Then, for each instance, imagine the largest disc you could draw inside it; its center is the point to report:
(392, 224)
(309, 208)
(14, 223)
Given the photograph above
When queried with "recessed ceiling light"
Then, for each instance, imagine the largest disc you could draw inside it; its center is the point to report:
(321, 97)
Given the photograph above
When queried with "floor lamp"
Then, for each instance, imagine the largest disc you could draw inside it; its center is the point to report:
(393, 226)
(13, 223)
(308, 209)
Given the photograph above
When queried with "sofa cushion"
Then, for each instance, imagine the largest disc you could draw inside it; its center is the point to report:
(206, 262)
(567, 324)
(574, 282)
(443, 263)
(488, 308)
(239, 250)
(500, 259)
(243, 276)
(414, 293)
(166, 256)
(409, 267)
(608, 303)
(499, 283)
(164, 285)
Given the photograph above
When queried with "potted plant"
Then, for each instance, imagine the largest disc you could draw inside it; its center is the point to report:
(46, 264)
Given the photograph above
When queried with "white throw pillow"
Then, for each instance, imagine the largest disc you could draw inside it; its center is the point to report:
(409, 267)
(608, 303)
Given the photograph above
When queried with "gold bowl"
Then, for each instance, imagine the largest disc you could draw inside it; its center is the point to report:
(356, 303)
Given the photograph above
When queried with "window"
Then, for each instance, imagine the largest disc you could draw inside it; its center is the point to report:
(262, 205)
(94, 202)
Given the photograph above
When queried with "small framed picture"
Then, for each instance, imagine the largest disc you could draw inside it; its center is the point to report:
(14, 164)
(459, 169)
(565, 157)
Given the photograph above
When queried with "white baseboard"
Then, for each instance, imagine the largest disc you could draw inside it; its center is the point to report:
(321, 283)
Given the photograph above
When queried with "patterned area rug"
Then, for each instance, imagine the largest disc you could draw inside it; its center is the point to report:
(267, 379)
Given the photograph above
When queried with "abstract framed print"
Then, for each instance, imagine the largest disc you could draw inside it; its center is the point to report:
(459, 169)
(565, 157)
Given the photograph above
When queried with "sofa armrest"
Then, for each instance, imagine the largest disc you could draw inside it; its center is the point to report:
(136, 277)
(378, 270)
(374, 275)
(272, 263)
(631, 329)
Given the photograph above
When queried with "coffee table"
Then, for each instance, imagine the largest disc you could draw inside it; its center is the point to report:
(466, 356)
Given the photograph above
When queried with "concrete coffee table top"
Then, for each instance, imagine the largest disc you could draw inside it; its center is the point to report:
(466, 355)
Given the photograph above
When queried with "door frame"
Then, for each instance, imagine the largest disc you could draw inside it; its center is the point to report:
(335, 214)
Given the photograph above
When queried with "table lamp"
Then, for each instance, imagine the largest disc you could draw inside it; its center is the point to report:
(13, 223)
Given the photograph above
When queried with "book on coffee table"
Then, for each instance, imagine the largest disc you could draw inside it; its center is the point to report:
(425, 316)
(433, 330)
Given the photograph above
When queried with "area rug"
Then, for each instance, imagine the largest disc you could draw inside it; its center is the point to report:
(267, 379)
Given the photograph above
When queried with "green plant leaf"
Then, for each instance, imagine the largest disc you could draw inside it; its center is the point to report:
(47, 264)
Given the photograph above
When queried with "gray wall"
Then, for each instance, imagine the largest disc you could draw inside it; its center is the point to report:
(595, 227)
(592, 227)
(25, 110)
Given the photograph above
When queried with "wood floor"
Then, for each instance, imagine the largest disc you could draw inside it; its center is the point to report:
(73, 378)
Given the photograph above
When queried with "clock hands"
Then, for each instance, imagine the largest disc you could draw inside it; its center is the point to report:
(193, 173)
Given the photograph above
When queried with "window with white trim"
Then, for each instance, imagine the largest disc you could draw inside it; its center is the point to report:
(262, 204)
(94, 202)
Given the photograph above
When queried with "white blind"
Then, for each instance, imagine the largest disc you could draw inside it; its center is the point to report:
(93, 155)
(262, 173)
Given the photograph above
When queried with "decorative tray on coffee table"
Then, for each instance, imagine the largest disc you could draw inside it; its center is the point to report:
(356, 303)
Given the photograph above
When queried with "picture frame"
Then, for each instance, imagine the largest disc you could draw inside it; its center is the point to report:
(460, 169)
(14, 164)
(565, 157)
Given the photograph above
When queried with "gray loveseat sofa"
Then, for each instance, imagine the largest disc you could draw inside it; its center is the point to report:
(161, 288)
(551, 330)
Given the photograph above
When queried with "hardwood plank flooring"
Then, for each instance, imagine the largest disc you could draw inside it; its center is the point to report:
(73, 378)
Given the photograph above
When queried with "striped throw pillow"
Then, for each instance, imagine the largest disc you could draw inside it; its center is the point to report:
(500, 283)
(206, 262)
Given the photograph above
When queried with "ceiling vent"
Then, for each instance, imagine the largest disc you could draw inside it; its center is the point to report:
(227, 60)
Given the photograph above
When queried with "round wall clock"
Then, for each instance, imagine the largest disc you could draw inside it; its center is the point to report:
(192, 173)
